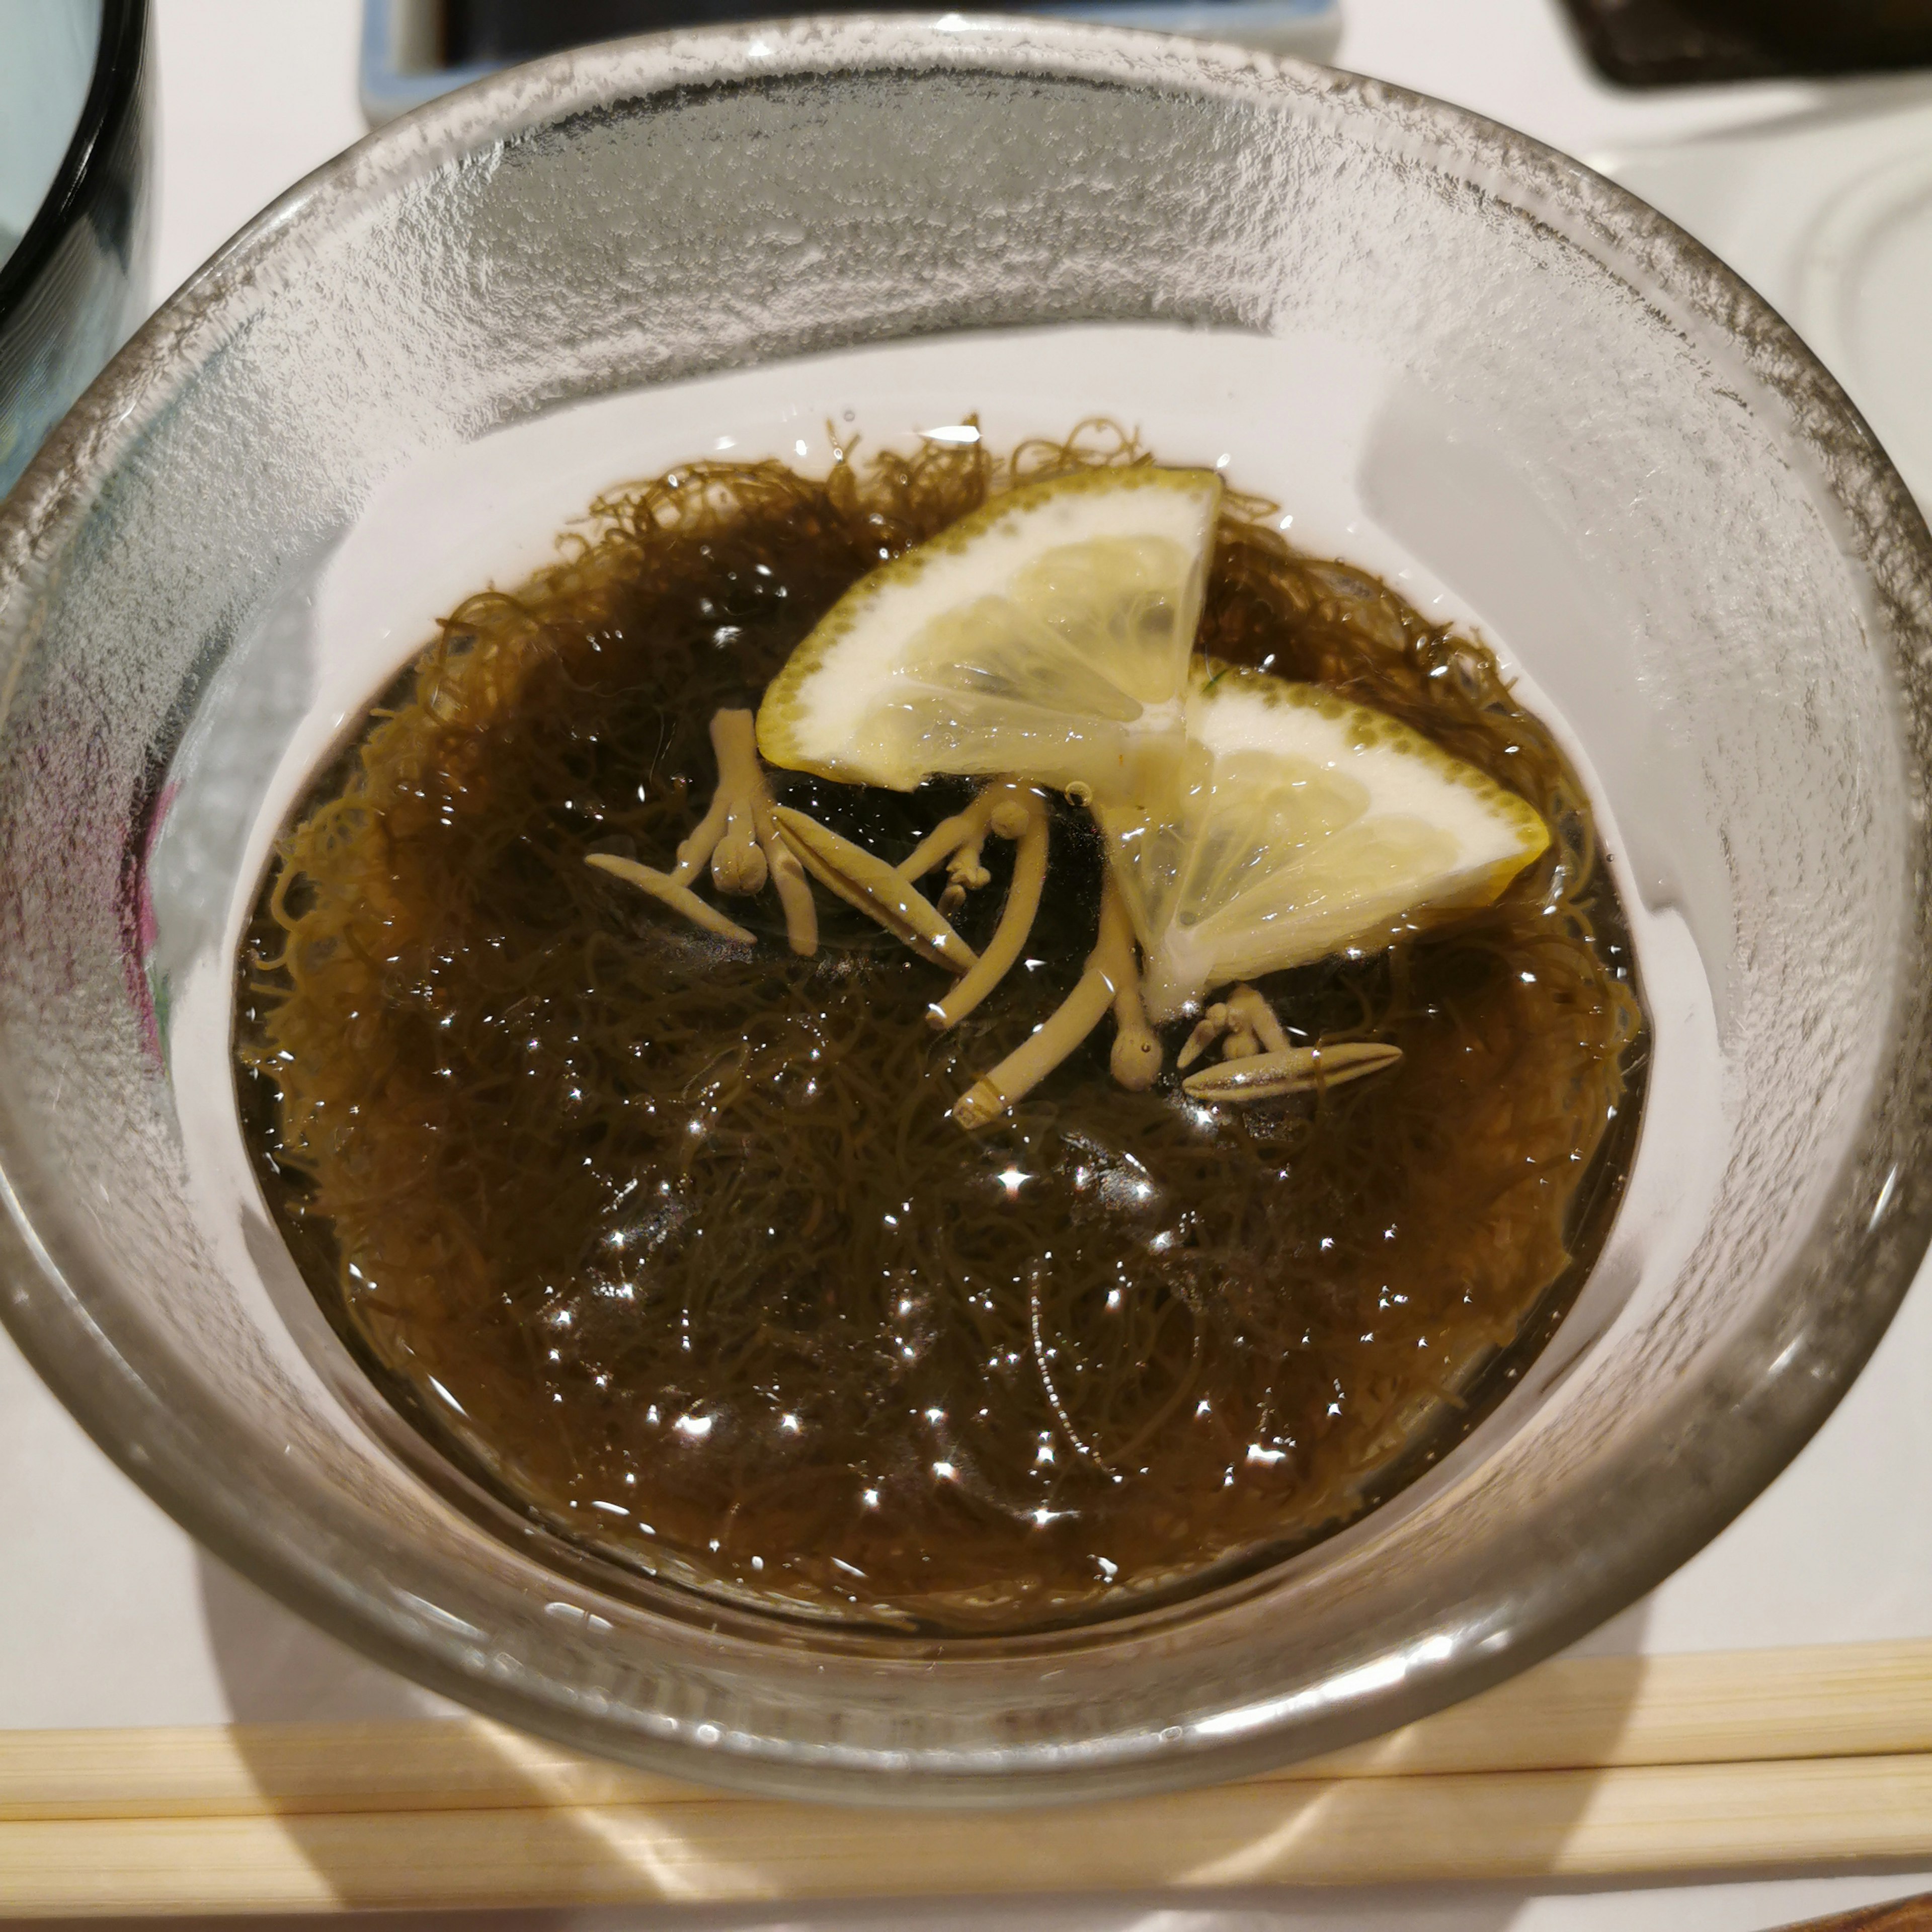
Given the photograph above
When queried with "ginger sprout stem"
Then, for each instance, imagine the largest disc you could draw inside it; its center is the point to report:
(737, 836)
(1255, 1017)
(866, 882)
(957, 840)
(1110, 966)
(788, 880)
(1244, 1023)
(1135, 1059)
(738, 863)
(1014, 812)
(672, 892)
(1211, 1025)
(693, 851)
(1298, 1070)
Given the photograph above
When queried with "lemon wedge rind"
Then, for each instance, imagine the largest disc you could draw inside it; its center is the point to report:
(1300, 827)
(1046, 635)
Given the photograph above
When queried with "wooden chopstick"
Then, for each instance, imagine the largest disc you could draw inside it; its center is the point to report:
(1585, 1767)
(440, 1764)
(1573, 1713)
(1826, 1700)
(1480, 1826)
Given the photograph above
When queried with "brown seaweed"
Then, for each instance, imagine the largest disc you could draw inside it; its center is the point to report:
(672, 1241)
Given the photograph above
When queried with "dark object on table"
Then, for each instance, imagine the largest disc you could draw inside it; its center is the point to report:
(1902, 1915)
(413, 50)
(76, 283)
(490, 32)
(1673, 42)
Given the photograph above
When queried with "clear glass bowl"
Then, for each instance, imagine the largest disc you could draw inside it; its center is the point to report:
(1437, 340)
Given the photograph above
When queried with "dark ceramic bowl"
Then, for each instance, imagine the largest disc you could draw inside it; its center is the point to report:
(76, 281)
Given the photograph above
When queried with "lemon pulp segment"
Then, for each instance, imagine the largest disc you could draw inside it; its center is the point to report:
(1044, 637)
(1252, 823)
(1299, 826)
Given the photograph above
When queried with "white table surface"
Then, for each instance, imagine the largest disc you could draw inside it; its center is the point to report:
(110, 1616)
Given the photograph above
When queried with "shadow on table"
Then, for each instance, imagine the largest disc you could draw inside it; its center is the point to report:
(276, 1670)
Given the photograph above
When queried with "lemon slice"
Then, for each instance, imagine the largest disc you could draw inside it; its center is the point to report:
(1301, 826)
(1045, 637)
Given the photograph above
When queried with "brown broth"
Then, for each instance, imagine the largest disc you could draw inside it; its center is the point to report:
(675, 1249)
